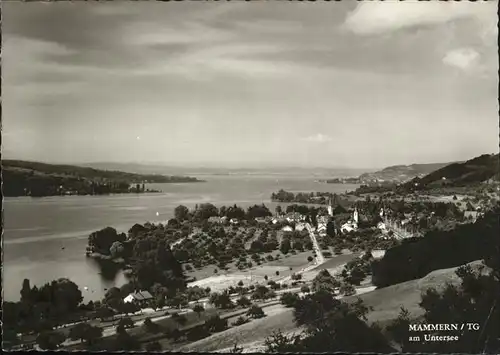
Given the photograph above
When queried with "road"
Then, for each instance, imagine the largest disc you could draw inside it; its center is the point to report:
(320, 259)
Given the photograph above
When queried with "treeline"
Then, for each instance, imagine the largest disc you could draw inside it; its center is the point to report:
(204, 211)
(21, 178)
(321, 198)
(415, 258)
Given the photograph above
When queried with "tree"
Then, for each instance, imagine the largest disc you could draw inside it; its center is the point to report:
(278, 210)
(257, 211)
(310, 258)
(236, 349)
(125, 342)
(255, 312)
(26, 291)
(116, 250)
(266, 278)
(179, 318)
(325, 281)
(277, 273)
(126, 322)
(476, 300)
(50, 340)
(205, 211)
(243, 302)
(329, 325)
(261, 293)
(221, 300)
(113, 297)
(85, 332)
(347, 289)
(289, 299)
(398, 329)
(102, 240)
(240, 321)
(285, 246)
(153, 347)
(150, 326)
(305, 289)
(281, 344)
(198, 308)
(181, 213)
(330, 228)
(215, 324)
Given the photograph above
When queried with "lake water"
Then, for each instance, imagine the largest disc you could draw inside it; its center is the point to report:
(45, 238)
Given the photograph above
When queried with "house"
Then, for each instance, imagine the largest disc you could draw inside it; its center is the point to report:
(261, 220)
(234, 221)
(471, 215)
(295, 217)
(300, 227)
(140, 297)
(287, 229)
(381, 226)
(214, 220)
(322, 220)
(351, 225)
(321, 228)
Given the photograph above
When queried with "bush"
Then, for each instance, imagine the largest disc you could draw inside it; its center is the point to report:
(240, 321)
(126, 323)
(153, 347)
(347, 289)
(198, 308)
(289, 299)
(256, 312)
(215, 324)
(150, 326)
(243, 302)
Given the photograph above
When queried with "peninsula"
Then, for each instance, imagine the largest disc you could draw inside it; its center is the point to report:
(25, 178)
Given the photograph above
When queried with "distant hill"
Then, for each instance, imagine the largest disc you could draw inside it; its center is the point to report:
(40, 179)
(476, 170)
(401, 173)
(157, 168)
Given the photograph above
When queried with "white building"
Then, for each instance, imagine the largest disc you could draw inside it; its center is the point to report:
(300, 227)
(351, 225)
(287, 229)
(139, 297)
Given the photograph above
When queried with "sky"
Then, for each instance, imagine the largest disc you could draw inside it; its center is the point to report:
(326, 84)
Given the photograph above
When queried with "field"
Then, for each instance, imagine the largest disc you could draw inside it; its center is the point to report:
(256, 275)
(255, 331)
(386, 304)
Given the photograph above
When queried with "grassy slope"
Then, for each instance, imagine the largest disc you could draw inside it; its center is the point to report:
(386, 304)
(394, 172)
(474, 170)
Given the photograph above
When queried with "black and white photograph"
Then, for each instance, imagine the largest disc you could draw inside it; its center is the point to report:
(250, 176)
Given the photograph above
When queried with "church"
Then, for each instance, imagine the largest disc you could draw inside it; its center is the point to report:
(352, 224)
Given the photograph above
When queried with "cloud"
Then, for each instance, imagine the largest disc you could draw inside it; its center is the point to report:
(462, 58)
(317, 138)
(376, 17)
